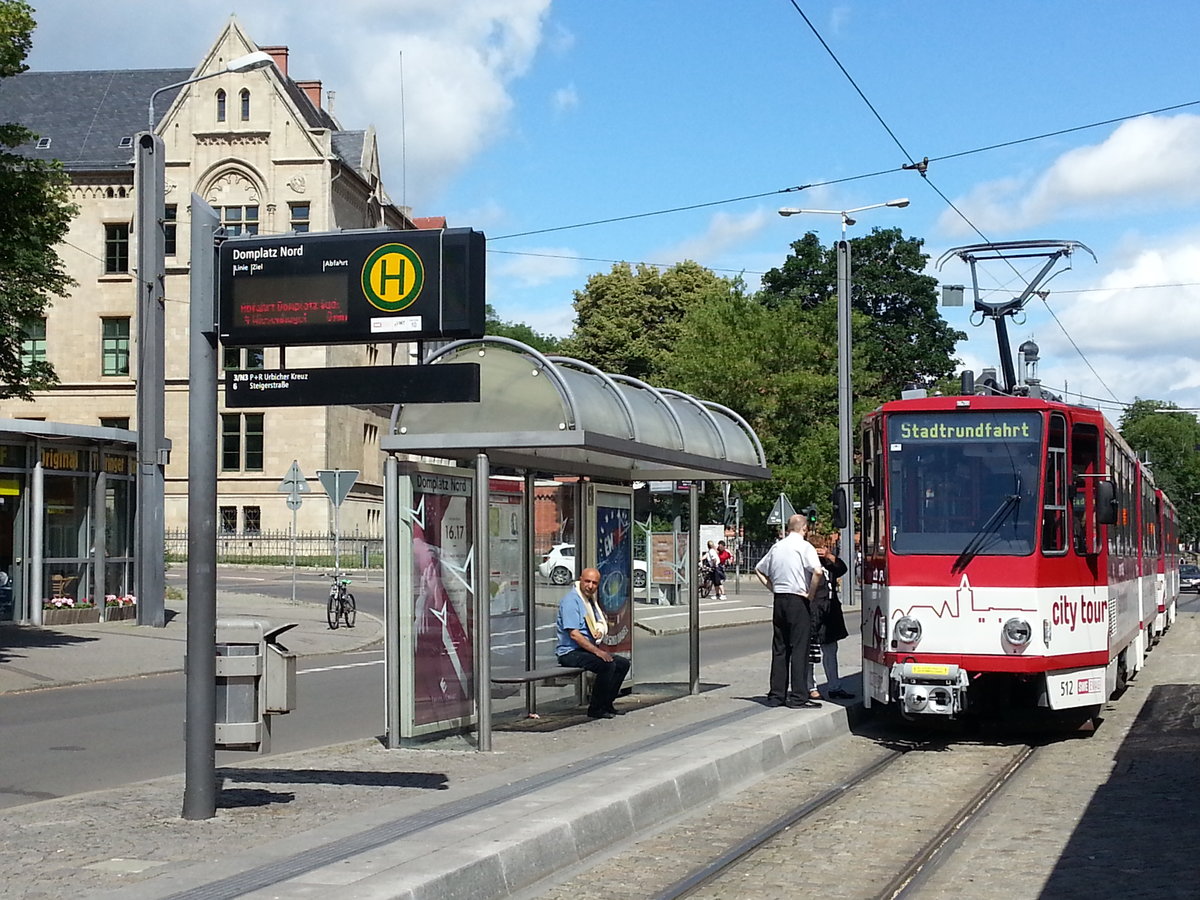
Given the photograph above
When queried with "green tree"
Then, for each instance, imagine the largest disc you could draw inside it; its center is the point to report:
(519, 331)
(628, 321)
(903, 337)
(36, 210)
(778, 370)
(1169, 438)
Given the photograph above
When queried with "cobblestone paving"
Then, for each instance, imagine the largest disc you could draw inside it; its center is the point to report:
(1111, 816)
(83, 845)
(890, 817)
(1107, 815)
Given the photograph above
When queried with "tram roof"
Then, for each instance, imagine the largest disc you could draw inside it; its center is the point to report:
(562, 416)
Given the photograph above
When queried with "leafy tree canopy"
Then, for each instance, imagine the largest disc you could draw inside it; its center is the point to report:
(905, 339)
(628, 320)
(519, 331)
(1169, 438)
(36, 210)
(777, 367)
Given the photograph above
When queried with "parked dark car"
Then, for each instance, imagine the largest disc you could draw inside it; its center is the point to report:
(1189, 578)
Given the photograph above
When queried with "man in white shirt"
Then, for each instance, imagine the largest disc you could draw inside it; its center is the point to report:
(791, 570)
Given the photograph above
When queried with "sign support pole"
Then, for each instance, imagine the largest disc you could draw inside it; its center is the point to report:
(200, 665)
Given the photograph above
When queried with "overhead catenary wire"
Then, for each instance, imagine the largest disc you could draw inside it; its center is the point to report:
(922, 168)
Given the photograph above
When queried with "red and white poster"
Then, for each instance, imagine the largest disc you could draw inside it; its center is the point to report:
(443, 657)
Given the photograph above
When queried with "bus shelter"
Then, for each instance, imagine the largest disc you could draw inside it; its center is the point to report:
(499, 505)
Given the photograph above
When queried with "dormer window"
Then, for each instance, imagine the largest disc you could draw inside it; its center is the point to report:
(221, 106)
(245, 95)
(43, 144)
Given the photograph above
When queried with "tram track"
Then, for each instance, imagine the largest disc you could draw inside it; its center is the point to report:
(870, 816)
(907, 881)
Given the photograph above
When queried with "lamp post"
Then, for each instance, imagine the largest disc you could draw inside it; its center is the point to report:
(845, 386)
(152, 449)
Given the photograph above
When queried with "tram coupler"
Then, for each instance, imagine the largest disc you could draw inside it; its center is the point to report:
(930, 688)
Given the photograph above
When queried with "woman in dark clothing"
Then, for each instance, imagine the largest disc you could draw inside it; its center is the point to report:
(828, 623)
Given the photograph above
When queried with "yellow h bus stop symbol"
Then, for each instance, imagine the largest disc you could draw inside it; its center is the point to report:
(392, 277)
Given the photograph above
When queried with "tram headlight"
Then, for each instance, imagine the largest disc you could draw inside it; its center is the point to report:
(908, 630)
(1017, 632)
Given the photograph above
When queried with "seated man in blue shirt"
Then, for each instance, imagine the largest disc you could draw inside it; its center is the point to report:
(581, 627)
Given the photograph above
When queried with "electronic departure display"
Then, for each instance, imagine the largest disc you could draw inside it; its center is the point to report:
(352, 287)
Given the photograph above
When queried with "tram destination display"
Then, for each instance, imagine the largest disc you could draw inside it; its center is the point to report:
(352, 287)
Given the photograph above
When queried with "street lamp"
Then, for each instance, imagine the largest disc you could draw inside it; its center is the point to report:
(248, 63)
(152, 450)
(150, 187)
(845, 387)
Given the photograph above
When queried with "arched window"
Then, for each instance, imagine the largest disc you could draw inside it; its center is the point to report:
(220, 105)
(245, 95)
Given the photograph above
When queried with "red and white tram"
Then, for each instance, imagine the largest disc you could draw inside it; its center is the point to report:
(1015, 554)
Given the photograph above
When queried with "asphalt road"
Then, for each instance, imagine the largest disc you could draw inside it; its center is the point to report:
(64, 741)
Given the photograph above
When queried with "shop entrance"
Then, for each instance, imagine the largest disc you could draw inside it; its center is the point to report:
(12, 537)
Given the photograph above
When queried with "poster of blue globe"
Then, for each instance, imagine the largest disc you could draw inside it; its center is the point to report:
(614, 559)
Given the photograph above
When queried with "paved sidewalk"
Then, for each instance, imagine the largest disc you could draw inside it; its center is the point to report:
(355, 820)
(75, 654)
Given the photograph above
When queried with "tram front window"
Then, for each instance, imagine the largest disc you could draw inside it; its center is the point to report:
(963, 482)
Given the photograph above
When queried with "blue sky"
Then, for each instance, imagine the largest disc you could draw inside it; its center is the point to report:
(518, 116)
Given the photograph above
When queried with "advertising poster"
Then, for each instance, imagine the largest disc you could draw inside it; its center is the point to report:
(504, 551)
(443, 664)
(663, 557)
(614, 559)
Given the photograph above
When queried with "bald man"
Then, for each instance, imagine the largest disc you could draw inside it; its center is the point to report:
(580, 629)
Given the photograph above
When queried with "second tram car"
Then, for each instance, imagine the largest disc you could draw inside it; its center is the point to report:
(1015, 554)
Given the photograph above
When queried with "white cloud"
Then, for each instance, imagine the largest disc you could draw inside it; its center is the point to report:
(556, 320)
(533, 267)
(433, 77)
(725, 231)
(565, 98)
(1139, 338)
(1149, 162)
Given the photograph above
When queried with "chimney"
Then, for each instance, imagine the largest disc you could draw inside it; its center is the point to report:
(280, 55)
(313, 89)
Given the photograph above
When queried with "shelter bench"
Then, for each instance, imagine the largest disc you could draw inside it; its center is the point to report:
(550, 674)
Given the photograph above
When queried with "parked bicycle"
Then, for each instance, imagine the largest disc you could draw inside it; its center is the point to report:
(341, 603)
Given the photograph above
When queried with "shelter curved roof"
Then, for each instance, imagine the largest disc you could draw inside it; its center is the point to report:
(561, 416)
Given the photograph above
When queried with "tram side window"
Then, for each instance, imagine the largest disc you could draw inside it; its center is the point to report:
(1054, 494)
(1085, 449)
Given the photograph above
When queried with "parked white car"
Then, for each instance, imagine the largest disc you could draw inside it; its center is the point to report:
(558, 567)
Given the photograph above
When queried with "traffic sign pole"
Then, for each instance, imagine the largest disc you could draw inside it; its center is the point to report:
(294, 484)
(337, 483)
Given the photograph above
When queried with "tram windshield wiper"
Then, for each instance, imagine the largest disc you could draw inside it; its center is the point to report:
(976, 543)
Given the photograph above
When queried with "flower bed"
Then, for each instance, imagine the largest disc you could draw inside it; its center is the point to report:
(70, 615)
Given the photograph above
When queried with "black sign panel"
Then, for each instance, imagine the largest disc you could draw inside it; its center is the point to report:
(346, 386)
(352, 287)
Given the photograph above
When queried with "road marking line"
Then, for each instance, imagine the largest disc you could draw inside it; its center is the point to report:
(374, 662)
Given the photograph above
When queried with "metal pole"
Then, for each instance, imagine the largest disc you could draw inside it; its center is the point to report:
(395, 511)
(200, 665)
(529, 585)
(337, 529)
(37, 518)
(693, 589)
(845, 413)
(151, 379)
(100, 542)
(293, 543)
(481, 604)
